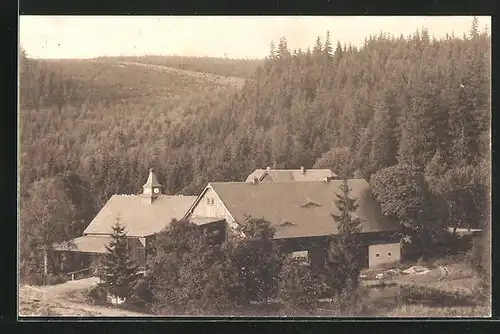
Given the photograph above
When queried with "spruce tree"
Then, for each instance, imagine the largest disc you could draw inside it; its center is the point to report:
(342, 270)
(327, 49)
(384, 144)
(120, 271)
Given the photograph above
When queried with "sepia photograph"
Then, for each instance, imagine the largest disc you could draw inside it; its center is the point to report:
(254, 166)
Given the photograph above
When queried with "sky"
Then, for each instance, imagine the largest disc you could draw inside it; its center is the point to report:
(214, 36)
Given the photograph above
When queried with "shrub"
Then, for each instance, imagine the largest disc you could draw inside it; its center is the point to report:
(190, 275)
(56, 279)
(98, 294)
(41, 279)
(141, 295)
(300, 289)
(479, 258)
(257, 260)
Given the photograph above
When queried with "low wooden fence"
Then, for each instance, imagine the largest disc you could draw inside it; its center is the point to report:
(82, 273)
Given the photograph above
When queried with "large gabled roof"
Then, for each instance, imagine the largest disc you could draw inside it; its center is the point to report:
(301, 209)
(292, 175)
(140, 219)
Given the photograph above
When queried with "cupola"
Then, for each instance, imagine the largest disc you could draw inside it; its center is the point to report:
(152, 188)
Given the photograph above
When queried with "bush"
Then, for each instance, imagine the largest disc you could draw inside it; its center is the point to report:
(450, 244)
(188, 275)
(479, 258)
(141, 295)
(257, 260)
(41, 279)
(98, 294)
(300, 289)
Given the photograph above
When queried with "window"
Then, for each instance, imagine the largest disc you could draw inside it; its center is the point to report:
(389, 254)
(208, 201)
(377, 254)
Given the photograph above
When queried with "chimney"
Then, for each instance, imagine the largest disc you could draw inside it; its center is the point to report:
(255, 180)
(302, 170)
(326, 179)
(268, 168)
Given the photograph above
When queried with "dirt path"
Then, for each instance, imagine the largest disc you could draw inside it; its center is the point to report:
(224, 80)
(55, 300)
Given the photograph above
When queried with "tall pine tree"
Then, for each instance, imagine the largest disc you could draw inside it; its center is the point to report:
(120, 271)
(343, 267)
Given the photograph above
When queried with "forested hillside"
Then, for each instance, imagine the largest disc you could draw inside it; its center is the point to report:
(396, 100)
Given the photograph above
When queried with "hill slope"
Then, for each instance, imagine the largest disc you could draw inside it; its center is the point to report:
(374, 107)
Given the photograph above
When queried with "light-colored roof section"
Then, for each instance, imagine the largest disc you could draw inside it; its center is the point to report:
(205, 220)
(86, 244)
(292, 175)
(139, 219)
(282, 203)
(152, 181)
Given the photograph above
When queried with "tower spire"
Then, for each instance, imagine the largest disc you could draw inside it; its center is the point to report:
(152, 188)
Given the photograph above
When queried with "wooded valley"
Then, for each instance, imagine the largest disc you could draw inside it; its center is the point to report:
(89, 129)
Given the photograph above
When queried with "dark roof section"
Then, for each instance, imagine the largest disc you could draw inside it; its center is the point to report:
(282, 203)
(292, 175)
(138, 218)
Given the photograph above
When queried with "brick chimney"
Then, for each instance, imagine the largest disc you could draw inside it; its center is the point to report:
(268, 168)
(302, 170)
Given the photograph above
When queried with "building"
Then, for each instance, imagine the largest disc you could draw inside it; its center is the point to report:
(142, 216)
(301, 213)
(290, 175)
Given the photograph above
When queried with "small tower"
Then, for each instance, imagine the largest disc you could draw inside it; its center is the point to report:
(151, 189)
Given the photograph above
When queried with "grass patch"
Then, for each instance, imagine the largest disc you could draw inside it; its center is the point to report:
(436, 297)
(426, 311)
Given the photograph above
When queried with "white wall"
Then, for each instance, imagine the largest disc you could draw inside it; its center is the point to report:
(210, 206)
(383, 254)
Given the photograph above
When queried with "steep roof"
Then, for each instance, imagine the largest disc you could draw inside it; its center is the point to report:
(152, 181)
(301, 209)
(87, 244)
(139, 219)
(292, 175)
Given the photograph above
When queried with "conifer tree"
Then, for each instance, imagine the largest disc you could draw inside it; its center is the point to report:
(327, 48)
(272, 50)
(384, 145)
(474, 30)
(120, 271)
(342, 267)
(437, 165)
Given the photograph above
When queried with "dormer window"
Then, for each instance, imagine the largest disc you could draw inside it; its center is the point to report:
(310, 204)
